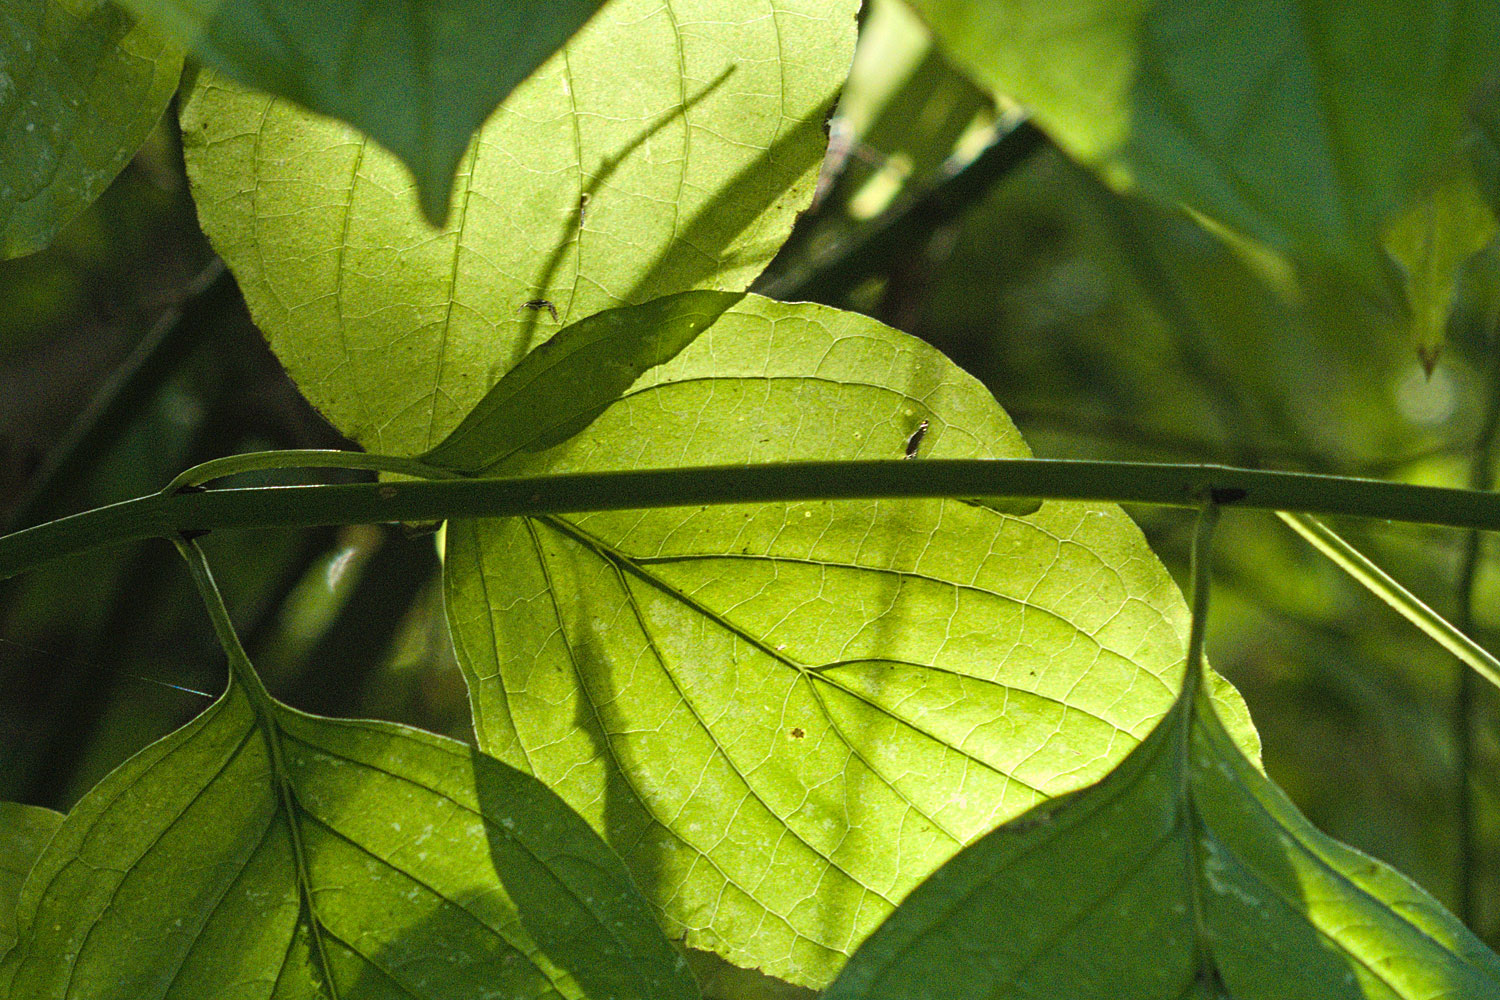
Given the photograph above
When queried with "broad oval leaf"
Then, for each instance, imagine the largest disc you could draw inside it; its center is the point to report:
(1305, 124)
(668, 146)
(786, 716)
(1184, 873)
(417, 76)
(24, 831)
(308, 858)
(81, 85)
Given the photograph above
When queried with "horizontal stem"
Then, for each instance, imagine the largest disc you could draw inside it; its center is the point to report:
(166, 514)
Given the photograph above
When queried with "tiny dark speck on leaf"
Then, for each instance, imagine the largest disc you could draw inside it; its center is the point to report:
(537, 305)
(797, 732)
(915, 441)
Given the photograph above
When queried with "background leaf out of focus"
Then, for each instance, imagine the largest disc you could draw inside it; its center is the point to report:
(1108, 327)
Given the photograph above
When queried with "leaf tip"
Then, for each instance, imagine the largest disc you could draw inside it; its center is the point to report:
(1429, 355)
(434, 195)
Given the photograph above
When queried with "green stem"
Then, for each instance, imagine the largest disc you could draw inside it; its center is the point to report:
(1481, 477)
(1187, 704)
(240, 670)
(306, 458)
(1201, 572)
(166, 514)
(243, 675)
(1382, 585)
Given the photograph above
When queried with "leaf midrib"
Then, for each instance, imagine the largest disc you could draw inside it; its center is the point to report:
(639, 568)
(600, 918)
(622, 563)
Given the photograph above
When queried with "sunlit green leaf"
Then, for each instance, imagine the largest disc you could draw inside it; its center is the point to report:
(1184, 873)
(24, 831)
(1305, 124)
(565, 383)
(785, 716)
(669, 146)
(80, 87)
(319, 858)
(417, 76)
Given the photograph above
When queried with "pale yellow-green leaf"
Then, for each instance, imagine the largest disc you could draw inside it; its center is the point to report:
(668, 147)
(281, 855)
(785, 716)
(1185, 873)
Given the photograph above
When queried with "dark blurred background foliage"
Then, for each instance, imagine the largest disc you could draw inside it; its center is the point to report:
(1107, 327)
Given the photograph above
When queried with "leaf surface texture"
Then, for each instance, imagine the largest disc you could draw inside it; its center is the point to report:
(785, 716)
(300, 857)
(1184, 873)
(81, 85)
(24, 831)
(667, 147)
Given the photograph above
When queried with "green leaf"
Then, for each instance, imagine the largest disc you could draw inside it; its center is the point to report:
(301, 857)
(576, 375)
(419, 77)
(1304, 124)
(1185, 872)
(24, 831)
(668, 147)
(1434, 238)
(563, 385)
(81, 85)
(786, 716)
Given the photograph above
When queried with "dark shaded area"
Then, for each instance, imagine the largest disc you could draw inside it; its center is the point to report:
(126, 355)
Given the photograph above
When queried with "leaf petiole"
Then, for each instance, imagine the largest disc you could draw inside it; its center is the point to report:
(242, 673)
(303, 458)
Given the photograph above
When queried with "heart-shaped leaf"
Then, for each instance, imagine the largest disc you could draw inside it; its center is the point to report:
(668, 147)
(285, 855)
(786, 716)
(81, 85)
(1434, 239)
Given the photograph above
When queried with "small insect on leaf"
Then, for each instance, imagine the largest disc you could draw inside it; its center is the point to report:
(537, 305)
(915, 441)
